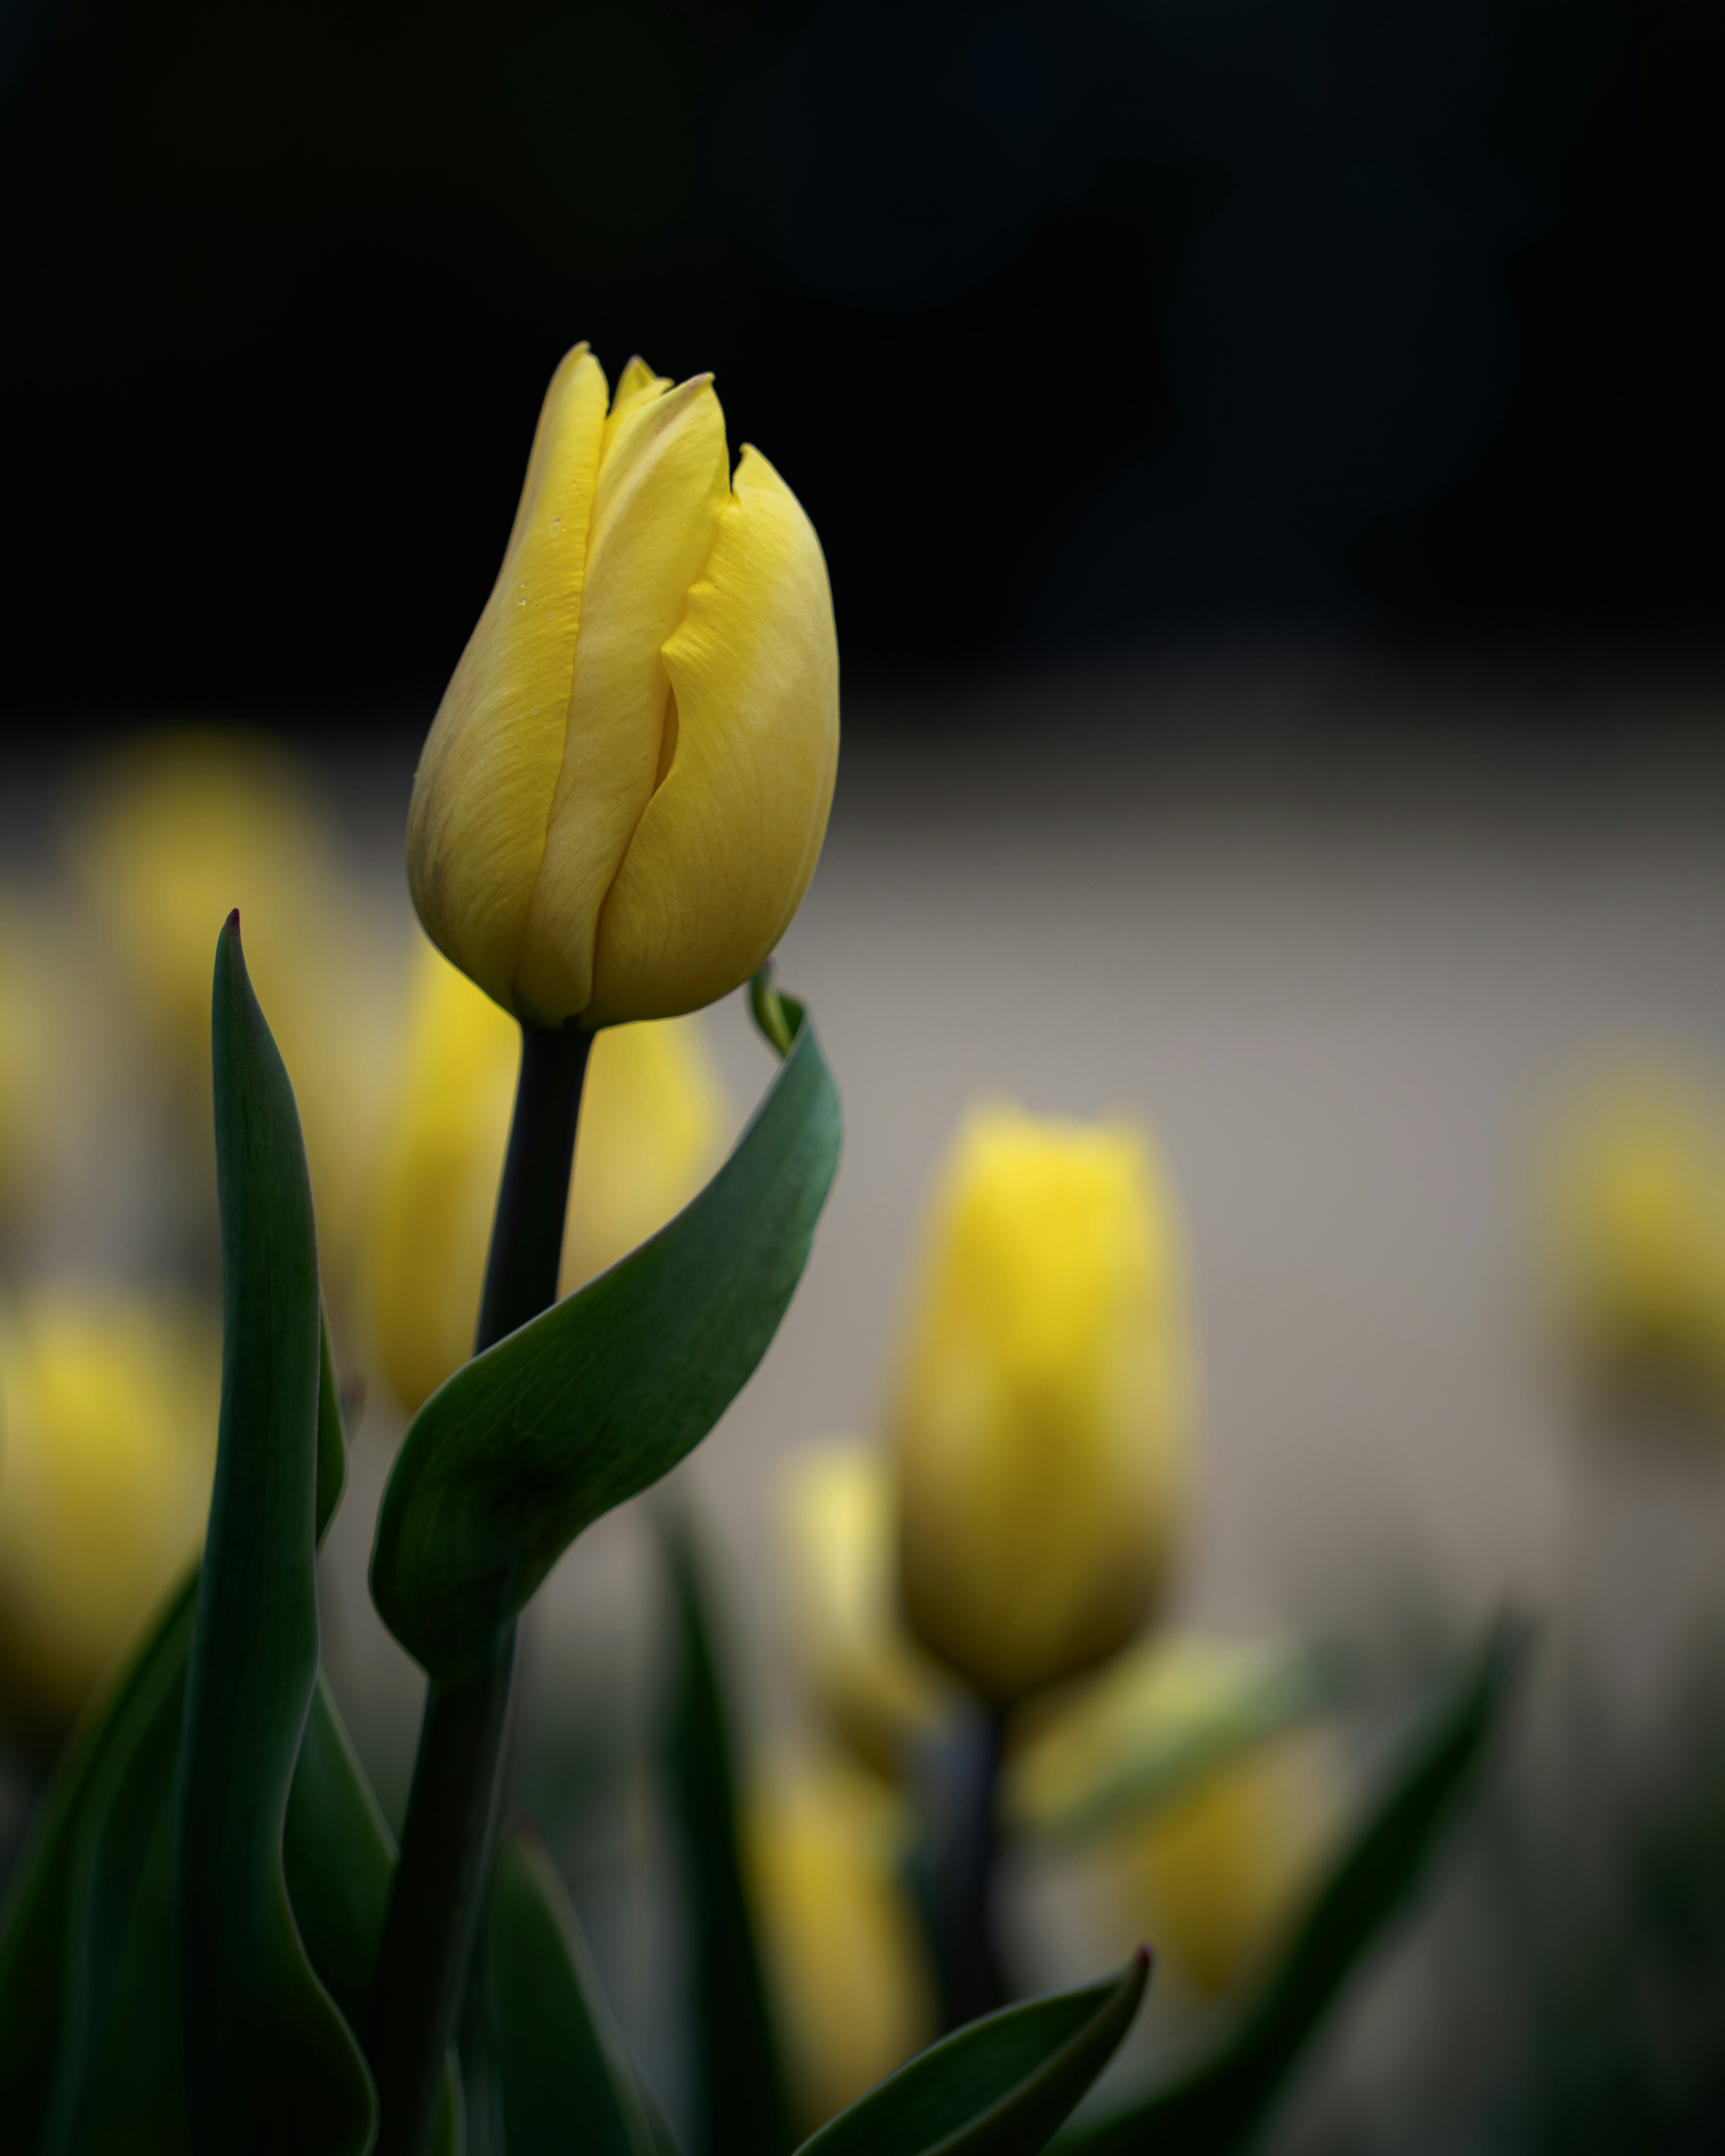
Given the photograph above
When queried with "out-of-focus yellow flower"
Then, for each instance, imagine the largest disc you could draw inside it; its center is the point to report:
(1636, 1231)
(1214, 1878)
(174, 832)
(652, 1122)
(22, 1061)
(845, 1957)
(836, 1517)
(1042, 1411)
(108, 1408)
(1156, 1716)
(626, 787)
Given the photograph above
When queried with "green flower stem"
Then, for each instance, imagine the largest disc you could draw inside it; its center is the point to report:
(959, 1795)
(527, 1235)
(420, 1981)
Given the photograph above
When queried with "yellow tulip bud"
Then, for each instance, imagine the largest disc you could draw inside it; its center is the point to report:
(174, 832)
(626, 786)
(1636, 1230)
(1080, 1753)
(881, 1694)
(653, 1119)
(24, 1061)
(845, 1957)
(108, 1411)
(1041, 1414)
(1215, 1878)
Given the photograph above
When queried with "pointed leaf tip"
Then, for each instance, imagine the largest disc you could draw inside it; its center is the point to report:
(1000, 2087)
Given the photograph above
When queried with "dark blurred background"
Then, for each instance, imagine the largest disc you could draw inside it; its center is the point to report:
(1081, 330)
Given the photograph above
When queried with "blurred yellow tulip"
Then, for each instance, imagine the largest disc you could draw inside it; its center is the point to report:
(1090, 1750)
(168, 837)
(652, 1119)
(845, 1956)
(836, 1519)
(1042, 1413)
(1214, 1878)
(108, 1408)
(1635, 1227)
(23, 1060)
(626, 787)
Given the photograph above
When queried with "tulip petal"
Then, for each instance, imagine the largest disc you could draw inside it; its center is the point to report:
(726, 846)
(662, 487)
(483, 789)
(637, 382)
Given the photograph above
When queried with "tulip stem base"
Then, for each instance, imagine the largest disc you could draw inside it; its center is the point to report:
(419, 1985)
(961, 1802)
(420, 1982)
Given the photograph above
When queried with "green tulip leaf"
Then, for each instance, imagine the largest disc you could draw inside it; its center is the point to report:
(269, 2063)
(1223, 2102)
(117, 1916)
(339, 1855)
(601, 1394)
(45, 1974)
(741, 2104)
(1000, 2087)
(567, 2083)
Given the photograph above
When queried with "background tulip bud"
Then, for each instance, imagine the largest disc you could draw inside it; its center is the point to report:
(836, 1517)
(827, 1848)
(1636, 1234)
(1216, 1877)
(653, 1120)
(173, 830)
(1041, 1412)
(107, 1445)
(626, 786)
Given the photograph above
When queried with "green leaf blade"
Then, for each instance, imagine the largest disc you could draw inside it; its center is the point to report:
(567, 2083)
(1001, 2087)
(1221, 2105)
(741, 2101)
(270, 2062)
(43, 1965)
(601, 1395)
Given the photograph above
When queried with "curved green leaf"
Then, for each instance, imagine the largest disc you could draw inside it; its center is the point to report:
(269, 2063)
(605, 1392)
(567, 2082)
(1220, 2107)
(1001, 2087)
(116, 1937)
(741, 2105)
(40, 1963)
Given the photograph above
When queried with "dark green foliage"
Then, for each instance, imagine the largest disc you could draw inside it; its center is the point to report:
(741, 2104)
(1221, 2106)
(606, 1391)
(268, 2062)
(567, 2083)
(43, 1962)
(1001, 2087)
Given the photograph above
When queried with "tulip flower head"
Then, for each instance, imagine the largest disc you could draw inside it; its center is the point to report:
(168, 835)
(1635, 1232)
(108, 1411)
(827, 1847)
(1218, 1876)
(626, 787)
(1041, 1414)
(881, 1694)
